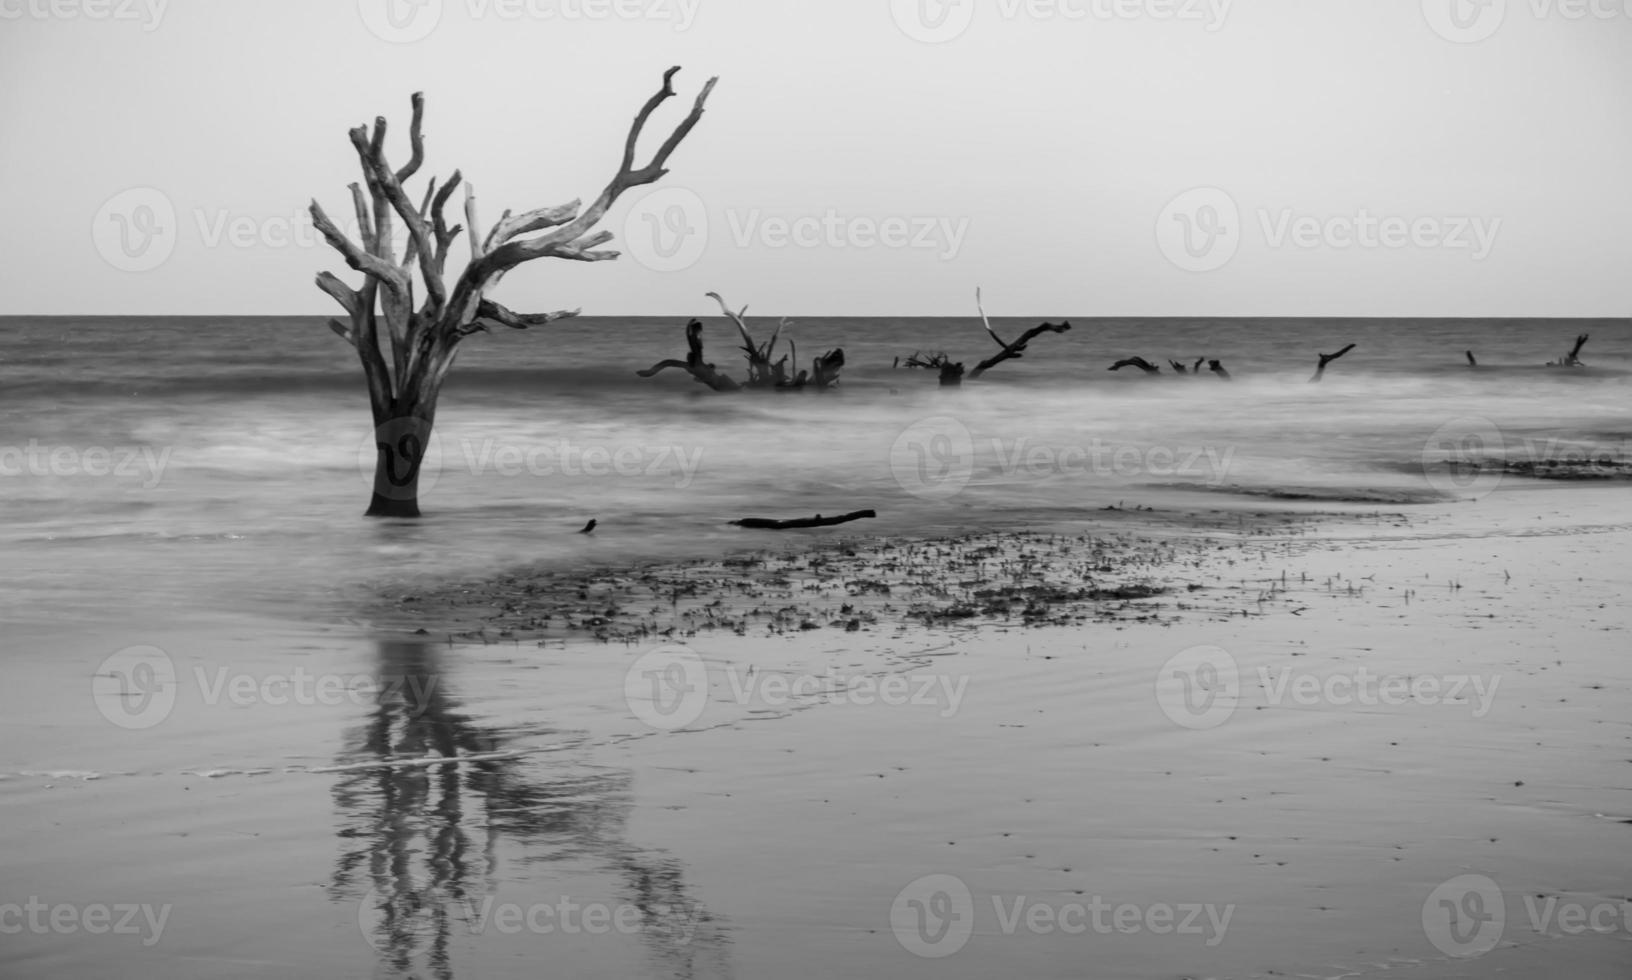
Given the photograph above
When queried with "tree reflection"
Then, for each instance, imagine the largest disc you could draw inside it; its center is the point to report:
(419, 844)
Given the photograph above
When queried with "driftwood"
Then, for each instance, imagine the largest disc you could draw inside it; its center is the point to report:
(1013, 349)
(1325, 359)
(1471, 361)
(1573, 358)
(768, 524)
(952, 372)
(694, 365)
(1137, 362)
(1217, 368)
(406, 363)
(763, 373)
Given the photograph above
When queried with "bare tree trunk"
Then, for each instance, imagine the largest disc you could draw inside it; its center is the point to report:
(406, 366)
(399, 444)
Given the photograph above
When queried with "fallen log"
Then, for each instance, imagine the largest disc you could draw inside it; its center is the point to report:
(1325, 359)
(769, 524)
(694, 365)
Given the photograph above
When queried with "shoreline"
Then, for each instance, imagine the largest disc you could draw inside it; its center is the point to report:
(1040, 766)
(1151, 566)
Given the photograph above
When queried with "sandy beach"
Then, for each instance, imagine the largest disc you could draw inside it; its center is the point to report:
(1380, 704)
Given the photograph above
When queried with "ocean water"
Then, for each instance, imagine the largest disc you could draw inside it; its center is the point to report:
(185, 466)
(188, 493)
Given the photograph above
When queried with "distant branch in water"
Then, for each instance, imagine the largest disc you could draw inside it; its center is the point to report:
(694, 365)
(1014, 349)
(1573, 358)
(1137, 362)
(763, 373)
(1325, 359)
(952, 373)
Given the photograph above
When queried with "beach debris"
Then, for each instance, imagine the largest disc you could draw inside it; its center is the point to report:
(1471, 361)
(589, 528)
(1573, 358)
(694, 365)
(1325, 359)
(1137, 362)
(406, 371)
(817, 521)
(1011, 349)
(952, 372)
(763, 373)
(1217, 367)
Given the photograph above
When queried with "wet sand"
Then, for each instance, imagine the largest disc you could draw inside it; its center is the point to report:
(786, 823)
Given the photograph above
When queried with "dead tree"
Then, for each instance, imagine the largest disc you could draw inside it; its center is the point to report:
(1325, 359)
(762, 373)
(694, 365)
(1573, 358)
(405, 368)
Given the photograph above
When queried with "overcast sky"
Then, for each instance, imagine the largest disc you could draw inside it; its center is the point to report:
(1072, 157)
